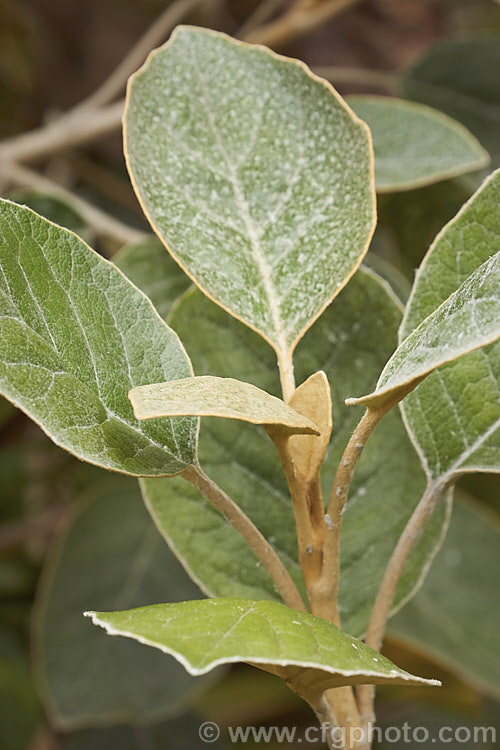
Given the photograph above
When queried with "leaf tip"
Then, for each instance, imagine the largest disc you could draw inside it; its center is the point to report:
(353, 401)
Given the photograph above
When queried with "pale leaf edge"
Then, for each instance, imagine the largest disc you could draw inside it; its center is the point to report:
(405, 677)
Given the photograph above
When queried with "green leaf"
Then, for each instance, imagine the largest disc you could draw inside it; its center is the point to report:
(256, 176)
(243, 462)
(416, 145)
(460, 77)
(262, 632)
(112, 556)
(464, 434)
(150, 268)
(455, 614)
(209, 396)
(467, 320)
(75, 336)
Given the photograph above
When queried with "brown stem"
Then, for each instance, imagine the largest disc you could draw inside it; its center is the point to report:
(299, 20)
(89, 119)
(104, 180)
(85, 123)
(287, 377)
(307, 504)
(327, 587)
(70, 129)
(387, 589)
(250, 533)
(100, 221)
(45, 738)
(365, 695)
(161, 27)
(338, 709)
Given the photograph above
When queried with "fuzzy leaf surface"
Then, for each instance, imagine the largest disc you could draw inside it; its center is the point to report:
(464, 434)
(75, 336)
(261, 632)
(210, 396)
(416, 145)
(256, 176)
(468, 320)
(350, 343)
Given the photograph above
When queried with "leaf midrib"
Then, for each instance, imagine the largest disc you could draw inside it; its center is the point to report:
(259, 256)
(109, 412)
(206, 660)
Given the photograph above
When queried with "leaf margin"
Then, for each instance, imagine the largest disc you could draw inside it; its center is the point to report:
(287, 355)
(406, 678)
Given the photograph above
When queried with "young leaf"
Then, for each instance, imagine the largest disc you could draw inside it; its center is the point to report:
(209, 396)
(455, 614)
(467, 320)
(464, 434)
(239, 459)
(126, 564)
(266, 633)
(75, 336)
(149, 267)
(256, 176)
(414, 144)
(312, 398)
